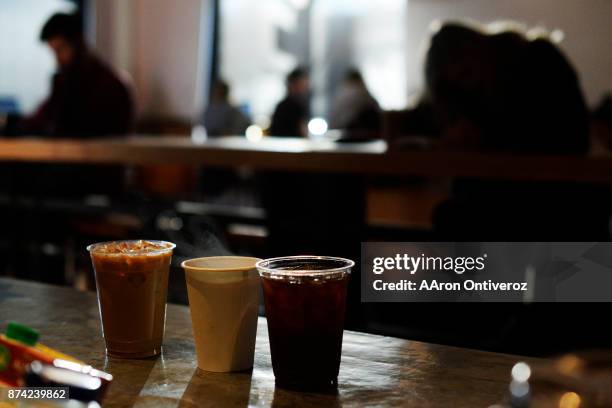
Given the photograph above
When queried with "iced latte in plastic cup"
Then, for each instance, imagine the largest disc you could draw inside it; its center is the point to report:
(132, 285)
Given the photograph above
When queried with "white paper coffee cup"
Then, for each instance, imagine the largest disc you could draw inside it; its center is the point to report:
(223, 300)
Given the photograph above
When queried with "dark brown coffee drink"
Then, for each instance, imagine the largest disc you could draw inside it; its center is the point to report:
(305, 300)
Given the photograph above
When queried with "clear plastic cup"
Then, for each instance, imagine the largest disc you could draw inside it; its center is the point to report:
(132, 286)
(305, 299)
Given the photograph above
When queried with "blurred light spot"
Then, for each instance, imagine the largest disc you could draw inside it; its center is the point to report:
(50, 249)
(435, 26)
(317, 126)
(97, 200)
(568, 364)
(253, 231)
(519, 390)
(262, 121)
(199, 134)
(254, 133)
(569, 400)
(521, 372)
(557, 36)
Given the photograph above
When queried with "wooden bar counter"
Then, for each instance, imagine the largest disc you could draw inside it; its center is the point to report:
(302, 155)
(375, 370)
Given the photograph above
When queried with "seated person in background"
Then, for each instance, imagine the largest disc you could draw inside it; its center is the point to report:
(508, 92)
(87, 98)
(291, 114)
(354, 109)
(497, 88)
(220, 117)
(505, 91)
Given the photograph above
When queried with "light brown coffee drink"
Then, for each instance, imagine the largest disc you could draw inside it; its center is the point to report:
(223, 300)
(132, 285)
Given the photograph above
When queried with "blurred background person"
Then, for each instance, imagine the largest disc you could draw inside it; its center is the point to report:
(291, 115)
(87, 98)
(221, 118)
(498, 87)
(354, 109)
(495, 88)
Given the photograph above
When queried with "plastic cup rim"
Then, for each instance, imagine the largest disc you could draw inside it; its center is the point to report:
(171, 245)
(304, 272)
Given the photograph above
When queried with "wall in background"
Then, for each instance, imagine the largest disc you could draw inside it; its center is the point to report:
(252, 60)
(585, 23)
(260, 42)
(363, 34)
(163, 46)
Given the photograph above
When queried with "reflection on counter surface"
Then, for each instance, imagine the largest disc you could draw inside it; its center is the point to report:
(374, 370)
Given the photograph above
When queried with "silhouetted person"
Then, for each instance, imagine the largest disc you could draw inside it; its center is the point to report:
(87, 98)
(506, 92)
(503, 91)
(221, 117)
(291, 114)
(354, 109)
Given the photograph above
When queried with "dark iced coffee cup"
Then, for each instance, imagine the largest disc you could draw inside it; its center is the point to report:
(305, 300)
